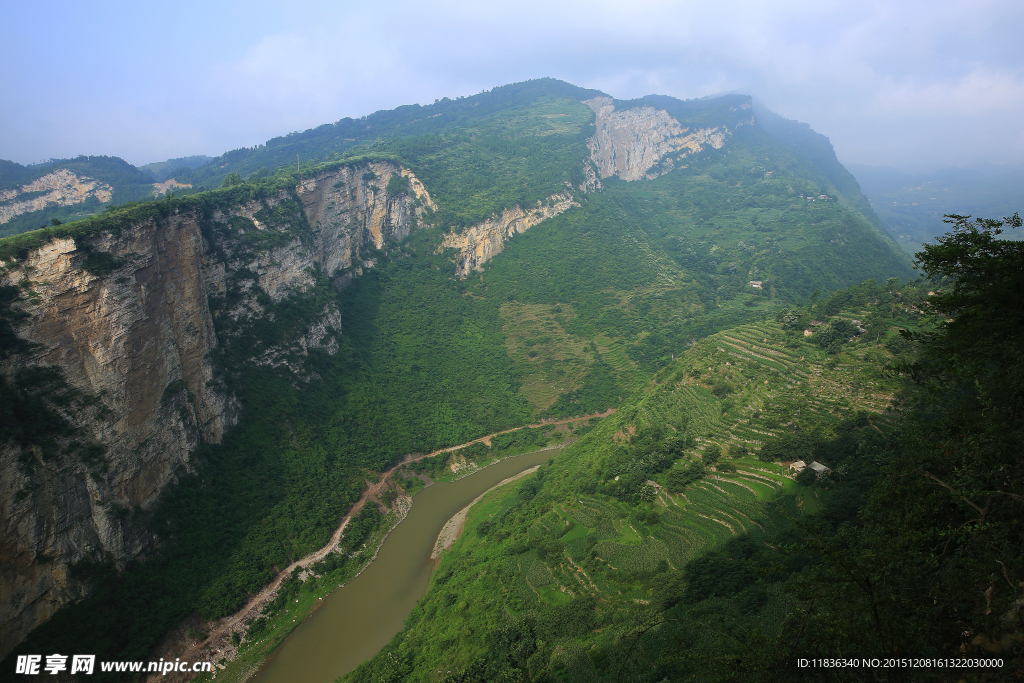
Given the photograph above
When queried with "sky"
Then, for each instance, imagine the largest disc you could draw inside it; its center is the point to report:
(912, 85)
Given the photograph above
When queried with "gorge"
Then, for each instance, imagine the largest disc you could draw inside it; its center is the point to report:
(195, 389)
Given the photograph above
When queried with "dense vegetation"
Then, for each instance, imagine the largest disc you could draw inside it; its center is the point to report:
(411, 121)
(621, 558)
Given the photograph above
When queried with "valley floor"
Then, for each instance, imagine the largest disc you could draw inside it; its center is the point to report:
(217, 645)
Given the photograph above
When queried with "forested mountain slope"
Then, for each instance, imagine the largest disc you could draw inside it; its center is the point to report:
(643, 550)
(63, 190)
(194, 388)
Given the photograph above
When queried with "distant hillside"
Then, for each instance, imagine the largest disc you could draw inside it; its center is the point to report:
(912, 205)
(819, 151)
(329, 140)
(162, 170)
(66, 190)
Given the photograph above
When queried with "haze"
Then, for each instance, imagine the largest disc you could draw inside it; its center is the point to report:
(912, 85)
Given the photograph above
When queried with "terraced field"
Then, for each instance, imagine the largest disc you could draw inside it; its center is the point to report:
(776, 388)
(774, 385)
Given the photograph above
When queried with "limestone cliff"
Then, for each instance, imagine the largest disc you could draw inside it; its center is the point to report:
(351, 207)
(482, 242)
(63, 187)
(641, 142)
(131, 317)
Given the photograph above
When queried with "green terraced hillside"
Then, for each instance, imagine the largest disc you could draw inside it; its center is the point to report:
(611, 565)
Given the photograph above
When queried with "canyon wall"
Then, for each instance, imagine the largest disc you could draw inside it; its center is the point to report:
(131, 317)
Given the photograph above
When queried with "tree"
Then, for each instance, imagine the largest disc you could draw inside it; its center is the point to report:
(790, 320)
(679, 478)
(978, 306)
(711, 454)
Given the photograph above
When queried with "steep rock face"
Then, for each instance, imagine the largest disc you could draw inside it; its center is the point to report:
(351, 207)
(635, 143)
(482, 242)
(134, 339)
(63, 187)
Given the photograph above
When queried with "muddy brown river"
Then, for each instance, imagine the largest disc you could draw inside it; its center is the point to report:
(359, 619)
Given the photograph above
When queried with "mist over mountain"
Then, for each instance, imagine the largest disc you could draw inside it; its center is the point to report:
(913, 205)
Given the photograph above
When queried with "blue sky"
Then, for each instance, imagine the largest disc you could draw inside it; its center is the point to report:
(915, 85)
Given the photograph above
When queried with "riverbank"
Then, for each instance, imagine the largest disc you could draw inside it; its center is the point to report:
(452, 529)
(197, 640)
(355, 623)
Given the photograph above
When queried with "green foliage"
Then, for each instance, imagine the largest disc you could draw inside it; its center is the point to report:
(162, 170)
(517, 156)
(929, 567)
(100, 263)
(231, 179)
(384, 127)
(818, 150)
(398, 185)
(681, 477)
(727, 223)
(711, 454)
(30, 416)
(670, 571)
(798, 446)
(427, 368)
(10, 315)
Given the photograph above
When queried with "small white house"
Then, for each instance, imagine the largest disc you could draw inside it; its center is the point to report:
(798, 466)
(757, 284)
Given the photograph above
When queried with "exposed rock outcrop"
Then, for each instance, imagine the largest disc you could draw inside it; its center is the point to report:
(133, 339)
(482, 242)
(636, 143)
(160, 189)
(63, 187)
(136, 340)
(351, 207)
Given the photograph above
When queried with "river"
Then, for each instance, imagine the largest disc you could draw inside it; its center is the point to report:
(359, 619)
